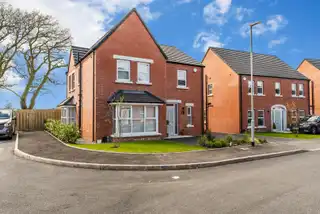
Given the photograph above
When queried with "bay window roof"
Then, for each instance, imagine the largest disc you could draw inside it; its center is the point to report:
(134, 96)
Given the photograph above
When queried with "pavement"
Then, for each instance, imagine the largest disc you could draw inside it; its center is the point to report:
(41, 144)
(280, 185)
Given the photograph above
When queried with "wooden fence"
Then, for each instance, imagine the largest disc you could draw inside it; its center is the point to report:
(33, 120)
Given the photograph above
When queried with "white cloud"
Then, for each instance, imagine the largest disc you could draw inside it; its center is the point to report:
(241, 12)
(273, 24)
(205, 40)
(276, 22)
(276, 42)
(215, 12)
(184, 1)
(147, 15)
(86, 20)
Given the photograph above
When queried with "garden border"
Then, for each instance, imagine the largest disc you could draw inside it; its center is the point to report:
(126, 167)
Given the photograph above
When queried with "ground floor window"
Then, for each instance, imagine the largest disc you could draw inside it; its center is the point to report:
(261, 118)
(135, 120)
(249, 118)
(294, 116)
(68, 115)
(302, 114)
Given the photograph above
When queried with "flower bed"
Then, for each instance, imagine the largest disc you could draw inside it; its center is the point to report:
(68, 133)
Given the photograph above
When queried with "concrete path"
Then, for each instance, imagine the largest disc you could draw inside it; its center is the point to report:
(43, 145)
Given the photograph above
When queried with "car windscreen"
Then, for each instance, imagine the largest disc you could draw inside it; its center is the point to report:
(4, 114)
(313, 119)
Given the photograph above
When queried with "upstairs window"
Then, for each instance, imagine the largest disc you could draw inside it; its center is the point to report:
(209, 89)
(250, 86)
(301, 90)
(278, 89)
(123, 70)
(143, 72)
(73, 77)
(182, 78)
(260, 88)
(294, 89)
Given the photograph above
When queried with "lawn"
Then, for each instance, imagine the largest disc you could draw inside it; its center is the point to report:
(159, 146)
(289, 135)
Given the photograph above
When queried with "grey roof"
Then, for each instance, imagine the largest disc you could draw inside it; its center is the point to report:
(133, 96)
(263, 64)
(314, 62)
(78, 53)
(177, 56)
(68, 102)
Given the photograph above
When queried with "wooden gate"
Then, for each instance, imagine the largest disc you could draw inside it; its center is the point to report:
(33, 120)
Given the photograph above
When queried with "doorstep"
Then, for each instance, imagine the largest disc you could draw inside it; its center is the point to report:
(178, 137)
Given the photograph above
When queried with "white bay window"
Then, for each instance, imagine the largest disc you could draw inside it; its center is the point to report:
(68, 115)
(135, 120)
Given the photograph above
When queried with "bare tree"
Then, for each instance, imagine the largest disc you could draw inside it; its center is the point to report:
(15, 25)
(42, 52)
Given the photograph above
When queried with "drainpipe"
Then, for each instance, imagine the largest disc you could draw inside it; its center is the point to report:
(80, 93)
(202, 102)
(240, 103)
(93, 95)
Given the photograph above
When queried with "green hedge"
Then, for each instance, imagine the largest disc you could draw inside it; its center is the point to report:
(66, 132)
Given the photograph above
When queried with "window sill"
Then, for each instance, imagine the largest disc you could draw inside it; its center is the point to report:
(261, 95)
(124, 81)
(143, 83)
(278, 95)
(302, 97)
(249, 94)
(140, 134)
(182, 87)
(257, 127)
(210, 95)
(190, 126)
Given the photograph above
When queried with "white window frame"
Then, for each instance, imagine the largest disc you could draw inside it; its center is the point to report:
(73, 81)
(260, 87)
(185, 79)
(304, 114)
(140, 71)
(275, 89)
(145, 118)
(189, 116)
(263, 117)
(129, 71)
(249, 124)
(252, 87)
(301, 89)
(295, 117)
(294, 88)
(66, 118)
(210, 89)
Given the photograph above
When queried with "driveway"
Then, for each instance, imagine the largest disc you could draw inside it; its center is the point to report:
(281, 185)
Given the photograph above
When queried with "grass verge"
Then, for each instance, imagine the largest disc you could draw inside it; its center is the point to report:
(289, 135)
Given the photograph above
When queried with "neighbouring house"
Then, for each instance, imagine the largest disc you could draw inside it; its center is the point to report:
(128, 87)
(280, 93)
(311, 69)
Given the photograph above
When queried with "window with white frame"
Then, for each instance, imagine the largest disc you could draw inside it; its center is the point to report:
(135, 120)
(302, 114)
(189, 115)
(68, 115)
(260, 87)
(294, 90)
(209, 89)
(250, 87)
(249, 118)
(294, 116)
(261, 118)
(278, 89)
(182, 78)
(143, 72)
(73, 79)
(123, 70)
(301, 90)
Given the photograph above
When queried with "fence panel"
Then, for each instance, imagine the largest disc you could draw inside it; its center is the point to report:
(33, 120)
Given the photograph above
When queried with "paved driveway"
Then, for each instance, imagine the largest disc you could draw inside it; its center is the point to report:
(281, 185)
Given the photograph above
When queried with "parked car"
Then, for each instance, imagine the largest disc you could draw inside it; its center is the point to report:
(7, 123)
(312, 125)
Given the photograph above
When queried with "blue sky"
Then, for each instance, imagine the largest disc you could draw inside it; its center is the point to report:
(288, 27)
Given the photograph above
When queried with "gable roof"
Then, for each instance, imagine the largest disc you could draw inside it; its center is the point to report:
(78, 53)
(134, 96)
(170, 53)
(67, 102)
(177, 56)
(264, 64)
(314, 62)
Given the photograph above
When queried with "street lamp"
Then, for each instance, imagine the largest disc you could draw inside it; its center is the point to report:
(252, 86)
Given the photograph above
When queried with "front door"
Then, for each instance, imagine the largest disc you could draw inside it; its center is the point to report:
(278, 119)
(171, 121)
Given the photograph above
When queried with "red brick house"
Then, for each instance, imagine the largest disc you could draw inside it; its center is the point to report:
(128, 86)
(280, 93)
(311, 69)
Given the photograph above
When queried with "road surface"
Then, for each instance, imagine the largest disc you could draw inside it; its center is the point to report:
(281, 185)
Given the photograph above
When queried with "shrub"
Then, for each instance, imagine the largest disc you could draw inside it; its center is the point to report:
(209, 135)
(228, 139)
(68, 133)
(203, 141)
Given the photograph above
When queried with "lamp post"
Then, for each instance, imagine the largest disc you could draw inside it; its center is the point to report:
(252, 85)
